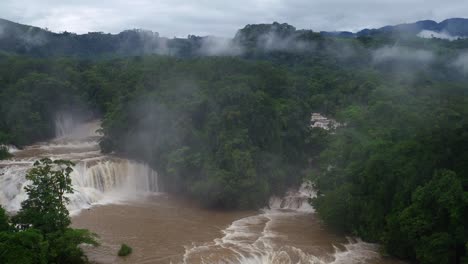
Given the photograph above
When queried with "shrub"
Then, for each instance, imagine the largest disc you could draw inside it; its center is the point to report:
(124, 250)
(4, 154)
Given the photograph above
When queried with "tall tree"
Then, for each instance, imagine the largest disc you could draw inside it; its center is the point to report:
(45, 209)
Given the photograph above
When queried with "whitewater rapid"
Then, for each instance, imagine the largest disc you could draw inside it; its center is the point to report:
(261, 238)
(96, 178)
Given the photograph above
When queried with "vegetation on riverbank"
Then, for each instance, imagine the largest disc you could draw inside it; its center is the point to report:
(40, 232)
(4, 153)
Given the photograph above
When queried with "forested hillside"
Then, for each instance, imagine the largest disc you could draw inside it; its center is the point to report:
(233, 129)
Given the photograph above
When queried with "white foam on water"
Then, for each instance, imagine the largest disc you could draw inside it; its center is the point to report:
(356, 251)
(296, 200)
(10, 148)
(66, 146)
(254, 239)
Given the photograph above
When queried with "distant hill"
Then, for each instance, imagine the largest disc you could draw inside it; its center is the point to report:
(23, 39)
(454, 27)
(29, 40)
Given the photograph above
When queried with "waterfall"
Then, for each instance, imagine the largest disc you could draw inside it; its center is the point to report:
(110, 181)
(98, 182)
(64, 124)
(96, 178)
(298, 200)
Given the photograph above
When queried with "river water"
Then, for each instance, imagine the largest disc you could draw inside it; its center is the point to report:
(120, 200)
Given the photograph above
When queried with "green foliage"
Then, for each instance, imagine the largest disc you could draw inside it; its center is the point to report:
(45, 209)
(40, 232)
(33, 92)
(434, 222)
(124, 250)
(4, 154)
(4, 221)
(26, 247)
(65, 245)
(397, 173)
(230, 134)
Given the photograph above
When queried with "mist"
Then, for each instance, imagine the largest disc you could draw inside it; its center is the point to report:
(216, 46)
(402, 55)
(461, 62)
(440, 35)
(272, 41)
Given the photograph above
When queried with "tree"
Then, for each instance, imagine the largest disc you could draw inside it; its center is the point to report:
(435, 222)
(4, 154)
(43, 222)
(4, 220)
(45, 209)
(25, 247)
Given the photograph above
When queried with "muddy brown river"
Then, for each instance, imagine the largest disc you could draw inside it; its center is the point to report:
(166, 229)
(120, 201)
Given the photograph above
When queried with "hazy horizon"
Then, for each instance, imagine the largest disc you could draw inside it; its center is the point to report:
(179, 18)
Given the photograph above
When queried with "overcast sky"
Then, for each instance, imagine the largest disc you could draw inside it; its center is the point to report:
(223, 18)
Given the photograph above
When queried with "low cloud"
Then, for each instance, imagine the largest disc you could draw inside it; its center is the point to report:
(144, 42)
(438, 35)
(28, 36)
(461, 62)
(34, 37)
(271, 41)
(214, 46)
(402, 55)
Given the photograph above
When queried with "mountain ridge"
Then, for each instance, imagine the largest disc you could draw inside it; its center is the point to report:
(16, 38)
(453, 26)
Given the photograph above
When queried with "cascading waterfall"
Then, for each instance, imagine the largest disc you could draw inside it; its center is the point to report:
(111, 181)
(64, 124)
(295, 200)
(96, 179)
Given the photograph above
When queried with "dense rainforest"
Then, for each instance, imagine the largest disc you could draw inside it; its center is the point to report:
(232, 127)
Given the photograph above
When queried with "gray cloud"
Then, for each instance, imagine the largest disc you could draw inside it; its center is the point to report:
(222, 18)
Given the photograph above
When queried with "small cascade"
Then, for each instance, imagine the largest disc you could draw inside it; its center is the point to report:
(298, 200)
(12, 183)
(64, 124)
(124, 175)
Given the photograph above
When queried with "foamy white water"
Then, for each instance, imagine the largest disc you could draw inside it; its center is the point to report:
(266, 238)
(96, 178)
